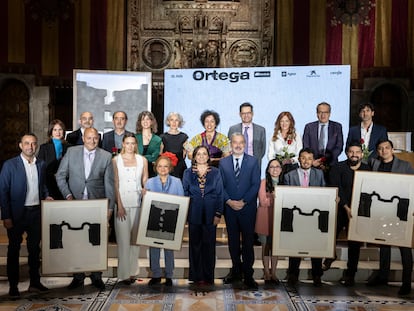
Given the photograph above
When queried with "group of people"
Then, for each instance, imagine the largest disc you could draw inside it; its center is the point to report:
(223, 180)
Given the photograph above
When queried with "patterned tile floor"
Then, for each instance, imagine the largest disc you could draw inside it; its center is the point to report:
(116, 297)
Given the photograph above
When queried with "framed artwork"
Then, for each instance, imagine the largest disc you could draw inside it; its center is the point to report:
(104, 92)
(162, 220)
(305, 221)
(382, 209)
(74, 236)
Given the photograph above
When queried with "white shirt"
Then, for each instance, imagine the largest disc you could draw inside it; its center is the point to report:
(32, 178)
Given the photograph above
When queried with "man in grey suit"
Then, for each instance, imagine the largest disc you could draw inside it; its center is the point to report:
(305, 176)
(254, 134)
(86, 172)
(387, 162)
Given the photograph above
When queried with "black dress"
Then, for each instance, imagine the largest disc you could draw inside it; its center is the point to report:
(174, 144)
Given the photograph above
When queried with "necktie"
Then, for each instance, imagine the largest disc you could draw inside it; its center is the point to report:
(322, 139)
(246, 138)
(88, 164)
(305, 182)
(237, 168)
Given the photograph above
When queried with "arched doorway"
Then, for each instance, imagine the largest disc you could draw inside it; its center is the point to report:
(391, 103)
(14, 112)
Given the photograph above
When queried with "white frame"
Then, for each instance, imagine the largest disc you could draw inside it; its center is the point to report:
(160, 239)
(400, 140)
(383, 226)
(76, 253)
(307, 238)
(111, 81)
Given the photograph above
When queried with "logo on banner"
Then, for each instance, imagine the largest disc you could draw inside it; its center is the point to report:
(286, 74)
(313, 74)
(233, 77)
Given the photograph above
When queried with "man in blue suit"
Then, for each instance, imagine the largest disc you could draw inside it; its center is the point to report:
(113, 139)
(324, 137)
(22, 187)
(367, 133)
(241, 179)
(305, 176)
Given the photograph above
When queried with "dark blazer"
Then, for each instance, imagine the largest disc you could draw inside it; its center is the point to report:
(108, 141)
(13, 187)
(334, 145)
(245, 187)
(259, 139)
(203, 208)
(316, 178)
(378, 133)
(398, 166)
(75, 138)
(71, 179)
(47, 153)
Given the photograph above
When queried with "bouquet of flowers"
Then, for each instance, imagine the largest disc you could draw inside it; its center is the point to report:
(365, 151)
(285, 156)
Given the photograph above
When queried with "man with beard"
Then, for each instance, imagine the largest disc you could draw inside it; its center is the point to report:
(341, 175)
(387, 162)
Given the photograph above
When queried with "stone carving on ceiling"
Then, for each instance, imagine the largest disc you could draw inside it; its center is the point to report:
(196, 34)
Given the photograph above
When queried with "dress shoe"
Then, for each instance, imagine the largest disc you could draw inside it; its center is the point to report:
(292, 280)
(326, 265)
(99, 284)
(154, 281)
(128, 282)
(38, 288)
(347, 281)
(232, 278)
(250, 283)
(76, 283)
(376, 280)
(404, 290)
(14, 292)
(317, 282)
(168, 282)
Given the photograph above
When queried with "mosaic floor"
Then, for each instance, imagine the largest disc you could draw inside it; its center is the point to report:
(182, 296)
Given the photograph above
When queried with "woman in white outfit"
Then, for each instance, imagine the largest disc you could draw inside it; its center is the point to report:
(131, 173)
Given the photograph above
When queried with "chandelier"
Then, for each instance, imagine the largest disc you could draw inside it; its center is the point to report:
(351, 12)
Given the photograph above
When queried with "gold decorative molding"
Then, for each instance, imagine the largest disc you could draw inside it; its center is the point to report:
(192, 34)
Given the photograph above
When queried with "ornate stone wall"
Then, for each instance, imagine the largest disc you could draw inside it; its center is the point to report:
(192, 34)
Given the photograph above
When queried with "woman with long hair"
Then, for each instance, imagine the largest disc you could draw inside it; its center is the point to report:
(264, 219)
(130, 174)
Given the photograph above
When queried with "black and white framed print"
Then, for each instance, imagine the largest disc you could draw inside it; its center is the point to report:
(162, 220)
(382, 209)
(74, 236)
(304, 221)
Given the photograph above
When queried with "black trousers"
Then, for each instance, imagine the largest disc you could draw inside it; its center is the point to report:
(406, 260)
(294, 263)
(29, 223)
(202, 252)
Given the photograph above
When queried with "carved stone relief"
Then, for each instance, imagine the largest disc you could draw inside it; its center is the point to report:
(195, 34)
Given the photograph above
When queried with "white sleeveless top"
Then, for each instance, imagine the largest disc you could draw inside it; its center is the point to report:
(130, 181)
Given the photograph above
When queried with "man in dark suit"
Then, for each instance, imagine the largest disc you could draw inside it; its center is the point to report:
(86, 172)
(305, 176)
(324, 137)
(85, 121)
(241, 179)
(367, 133)
(22, 187)
(387, 162)
(255, 135)
(113, 139)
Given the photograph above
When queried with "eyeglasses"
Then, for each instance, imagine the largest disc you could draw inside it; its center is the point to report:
(274, 167)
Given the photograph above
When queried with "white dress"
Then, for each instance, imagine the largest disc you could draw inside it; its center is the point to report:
(130, 188)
